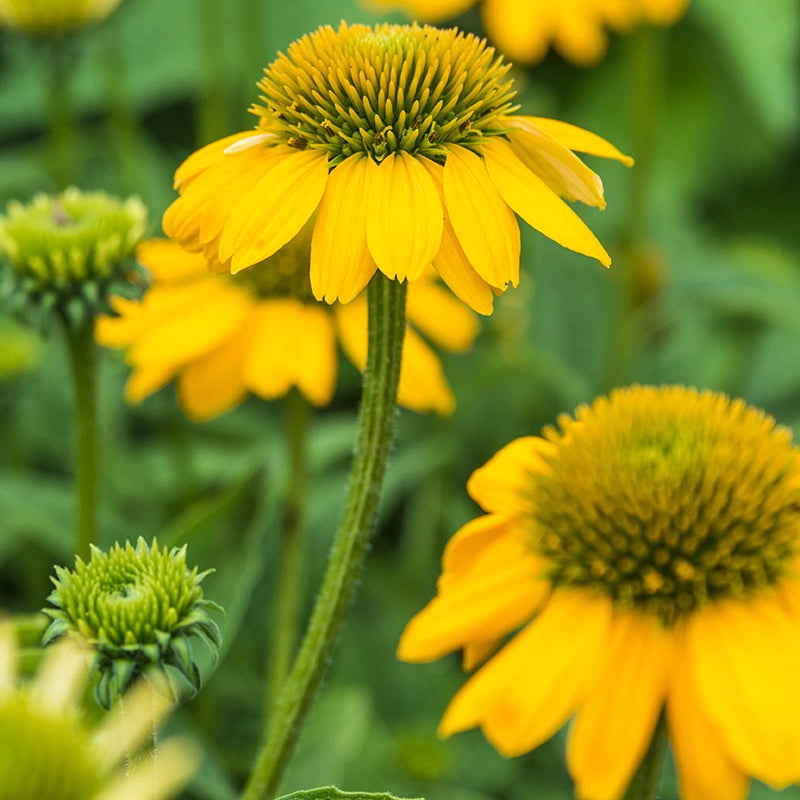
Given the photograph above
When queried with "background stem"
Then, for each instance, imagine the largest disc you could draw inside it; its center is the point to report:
(374, 438)
(644, 785)
(80, 344)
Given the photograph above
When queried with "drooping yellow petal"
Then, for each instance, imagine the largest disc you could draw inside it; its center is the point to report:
(209, 312)
(744, 658)
(499, 485)
(404, 217)
(705, 771)
(168, 262)
(213, 384)
(341, 264)
(537, 204)
(554, 163)
(276, 208)
(580, 140)
(618, 717)
(422, 386)
(148, 378)
(205, 157)
(486, 607)
(485, 226)
(526, 692)
(475, 653)
(452, 264)
(441, 317)
(467, 546)
(293, 344)
(579, 37)
(521, 28)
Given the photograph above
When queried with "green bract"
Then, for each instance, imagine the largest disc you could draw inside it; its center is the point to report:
(69, 252)
(138, 607)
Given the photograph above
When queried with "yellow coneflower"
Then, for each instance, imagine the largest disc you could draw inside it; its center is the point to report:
(645, 559)
(261, 331)
(53, 16)
(404, 141)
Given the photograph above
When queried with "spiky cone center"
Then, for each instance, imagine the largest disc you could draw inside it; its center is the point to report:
(70, 252)
(666, 499)
(137, 607)
(382, 89)
(284, 274)
(42, 755)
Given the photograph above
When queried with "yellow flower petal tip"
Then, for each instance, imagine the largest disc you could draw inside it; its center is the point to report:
(387, 162)
(640, 561)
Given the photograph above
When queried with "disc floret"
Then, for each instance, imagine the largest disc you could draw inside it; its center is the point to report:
(138, 608)
(69, 252)
(378, 90)
(667, 499)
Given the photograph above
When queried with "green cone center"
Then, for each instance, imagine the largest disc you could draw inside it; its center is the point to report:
(378, 90)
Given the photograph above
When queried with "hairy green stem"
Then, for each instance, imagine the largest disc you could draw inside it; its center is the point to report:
(644, 785)
(290, 574)
(81, 347)
(374, 439)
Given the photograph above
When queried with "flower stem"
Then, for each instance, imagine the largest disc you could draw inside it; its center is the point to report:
(60, 124)
(644, 785)
(80, 344)
(376, 417)
(289, 590)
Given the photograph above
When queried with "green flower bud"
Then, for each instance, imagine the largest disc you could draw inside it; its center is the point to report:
(138, 608)
(69, 253)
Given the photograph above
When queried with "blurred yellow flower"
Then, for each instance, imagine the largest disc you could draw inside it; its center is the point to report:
(404, 141)
(48, 751)
(262, 331)
(53, 16)
(525, 30)
(644, 559)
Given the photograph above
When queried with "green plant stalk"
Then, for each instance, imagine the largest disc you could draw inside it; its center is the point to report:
(60, 122)
(386, 329)
(212, 120)
(644, 785)
(290, 575)
(82, 356)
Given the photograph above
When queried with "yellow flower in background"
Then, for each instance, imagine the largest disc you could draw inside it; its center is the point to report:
(404, 141)
(261, 331)
(525, 30)
(53, 16)
(644, 560)
(49, 751)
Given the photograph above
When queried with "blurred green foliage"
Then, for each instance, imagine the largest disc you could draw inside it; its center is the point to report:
(704, 290)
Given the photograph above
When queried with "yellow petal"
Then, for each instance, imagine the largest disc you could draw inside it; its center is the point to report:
(452, 264)
(499, 485)
(167, 261)
(521, 28)
(476, 653)
(705, 771)
(555, 164)
(745, 659)
(213, 384)
(293, 344)
(276, 208)
(404, 217)
(341, 265)
(487, 606)
(485, 226)
(537, 204)
(146, 379)
(205, 314)
(578, 139)
(446, 321)
(205, 157)
(526, 692)
(422, 386)
(466, 548)
(618, 717)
